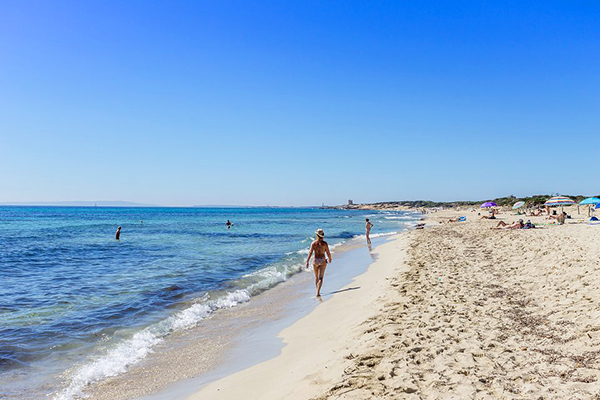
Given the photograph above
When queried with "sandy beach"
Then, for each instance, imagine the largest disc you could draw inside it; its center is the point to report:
(168, 168)
(456, 310)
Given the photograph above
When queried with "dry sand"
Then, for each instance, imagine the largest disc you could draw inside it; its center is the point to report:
(453, 311)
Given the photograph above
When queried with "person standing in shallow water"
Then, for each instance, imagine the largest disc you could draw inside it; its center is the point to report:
(368, 227)
(118, 234)
(319, 247)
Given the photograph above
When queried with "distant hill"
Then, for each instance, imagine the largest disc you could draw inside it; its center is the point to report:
(80, 204)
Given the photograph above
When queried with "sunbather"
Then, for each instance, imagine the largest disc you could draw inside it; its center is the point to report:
(560, 218)
(503, 225)
(491, 216)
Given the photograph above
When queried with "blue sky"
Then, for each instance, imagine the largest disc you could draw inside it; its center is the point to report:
(299, 102)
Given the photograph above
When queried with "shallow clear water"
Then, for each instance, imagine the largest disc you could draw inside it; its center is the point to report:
(72, 297)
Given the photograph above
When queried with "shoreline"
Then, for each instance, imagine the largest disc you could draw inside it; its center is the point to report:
(185, 359)
(314, 344)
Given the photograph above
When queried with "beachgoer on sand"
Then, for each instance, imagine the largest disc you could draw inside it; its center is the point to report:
(560, 218)
(491, 216)
(503, 225)
(368, 227)
(536, 213)
(320, 248)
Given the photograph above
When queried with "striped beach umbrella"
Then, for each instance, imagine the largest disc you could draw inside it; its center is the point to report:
(559, 201)
(518, 204)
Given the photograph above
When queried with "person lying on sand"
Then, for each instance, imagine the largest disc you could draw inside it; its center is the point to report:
(503, 225)
(492, 216)
(536, 213)
(320, 248)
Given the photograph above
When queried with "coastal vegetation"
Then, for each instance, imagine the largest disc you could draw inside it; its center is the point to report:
(535, 200)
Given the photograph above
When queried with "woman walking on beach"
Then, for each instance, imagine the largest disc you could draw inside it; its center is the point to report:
(320, 248)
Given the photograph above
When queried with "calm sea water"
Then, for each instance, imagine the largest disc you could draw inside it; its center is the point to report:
(76, 305)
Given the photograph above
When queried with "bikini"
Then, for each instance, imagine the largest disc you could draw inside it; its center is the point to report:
(320, 261)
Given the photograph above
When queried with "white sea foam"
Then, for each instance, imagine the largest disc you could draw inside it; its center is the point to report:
(129, 351)
(376, 235)
(335, 245)
(116, 360)
(271, 276)
(114, 363)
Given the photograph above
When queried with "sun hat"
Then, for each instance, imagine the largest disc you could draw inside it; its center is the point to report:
(320, 233)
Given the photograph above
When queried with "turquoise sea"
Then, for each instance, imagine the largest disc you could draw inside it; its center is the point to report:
(76, 305)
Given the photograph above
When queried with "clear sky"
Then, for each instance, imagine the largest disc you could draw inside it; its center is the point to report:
(297, 102)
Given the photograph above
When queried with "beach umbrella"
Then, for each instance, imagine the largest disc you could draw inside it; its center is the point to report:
(589, 201)
(559, 201)
(598, 206)
(488, 204)
(518, 204)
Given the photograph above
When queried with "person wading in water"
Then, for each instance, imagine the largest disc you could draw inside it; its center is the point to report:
(368, 226)
(320, 248)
